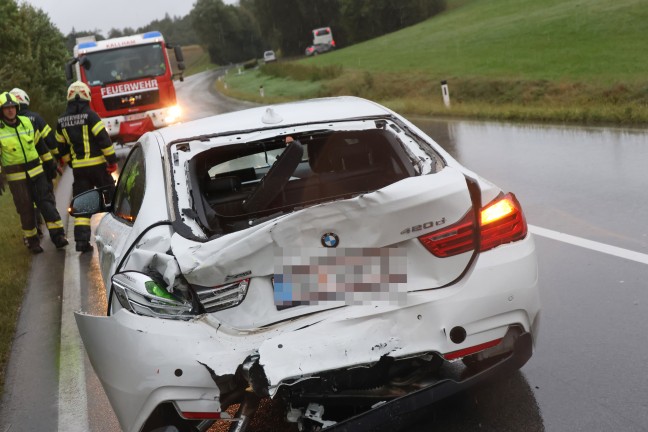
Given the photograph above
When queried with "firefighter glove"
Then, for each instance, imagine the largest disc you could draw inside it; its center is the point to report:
(2, 183)
(50, 169)
(111, 168)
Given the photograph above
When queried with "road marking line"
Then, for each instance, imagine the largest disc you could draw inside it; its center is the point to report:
(589, 244)
(73, 406)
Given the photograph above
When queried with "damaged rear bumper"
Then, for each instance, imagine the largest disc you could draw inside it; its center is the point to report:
(397, 412)
(182, 361)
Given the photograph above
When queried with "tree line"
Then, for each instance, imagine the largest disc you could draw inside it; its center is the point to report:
(34, 51)
(235, 33)
(33, 56)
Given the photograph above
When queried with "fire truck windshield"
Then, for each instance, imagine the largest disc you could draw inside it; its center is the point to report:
(124, 64)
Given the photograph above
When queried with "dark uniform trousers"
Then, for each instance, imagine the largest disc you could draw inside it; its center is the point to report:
(38, 189)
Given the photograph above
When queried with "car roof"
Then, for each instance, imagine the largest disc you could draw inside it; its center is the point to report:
(273, 116)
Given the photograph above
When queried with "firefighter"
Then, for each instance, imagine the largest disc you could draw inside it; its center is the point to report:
(46, 133)
(40, 125)
(86, 146)
(21, 153)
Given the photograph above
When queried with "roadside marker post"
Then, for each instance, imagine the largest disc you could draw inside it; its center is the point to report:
(446, 93)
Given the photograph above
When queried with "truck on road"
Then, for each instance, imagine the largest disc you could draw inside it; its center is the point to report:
(131, 81)
(323, 35)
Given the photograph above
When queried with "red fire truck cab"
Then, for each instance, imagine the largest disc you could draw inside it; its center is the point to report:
(131, 81)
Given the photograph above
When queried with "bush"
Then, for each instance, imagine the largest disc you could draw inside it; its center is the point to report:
(302, 72)
(250, 64)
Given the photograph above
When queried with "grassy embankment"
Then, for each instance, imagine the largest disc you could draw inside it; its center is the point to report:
(557, 60)
(15, 259)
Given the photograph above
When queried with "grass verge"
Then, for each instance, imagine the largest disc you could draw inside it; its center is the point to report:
(15, 261)
(416, 94)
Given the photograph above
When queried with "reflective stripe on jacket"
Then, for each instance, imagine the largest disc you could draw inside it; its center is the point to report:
(83, 137)
(21, 150)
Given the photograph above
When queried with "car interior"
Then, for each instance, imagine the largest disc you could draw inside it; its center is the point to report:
(243, 185)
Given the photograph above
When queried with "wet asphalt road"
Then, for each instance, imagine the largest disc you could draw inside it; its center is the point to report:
(589, 369)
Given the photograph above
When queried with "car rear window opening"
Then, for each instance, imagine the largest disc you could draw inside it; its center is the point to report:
(253, 180)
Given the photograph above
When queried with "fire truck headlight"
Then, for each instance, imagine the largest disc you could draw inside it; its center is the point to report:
(173, 114)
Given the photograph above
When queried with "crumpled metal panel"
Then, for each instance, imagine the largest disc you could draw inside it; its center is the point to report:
(150, 257)
(375, 219)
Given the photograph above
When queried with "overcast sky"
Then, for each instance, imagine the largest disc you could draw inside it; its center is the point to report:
(104, 15)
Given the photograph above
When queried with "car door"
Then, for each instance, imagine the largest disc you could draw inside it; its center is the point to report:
(116, 228)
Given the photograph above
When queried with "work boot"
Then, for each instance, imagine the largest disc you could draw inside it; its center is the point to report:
(60, 241)
(33, 243)
(83, 246)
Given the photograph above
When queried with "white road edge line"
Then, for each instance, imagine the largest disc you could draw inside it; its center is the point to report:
(589, 244)
(73, 406)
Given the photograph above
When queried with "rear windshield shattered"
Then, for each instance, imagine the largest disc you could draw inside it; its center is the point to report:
(241, 185)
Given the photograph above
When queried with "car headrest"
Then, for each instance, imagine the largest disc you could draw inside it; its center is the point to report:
(222, 184)
(349, 151)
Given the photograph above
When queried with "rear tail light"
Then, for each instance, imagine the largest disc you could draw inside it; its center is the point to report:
(501, 221)
(223, 296)
(140, 294)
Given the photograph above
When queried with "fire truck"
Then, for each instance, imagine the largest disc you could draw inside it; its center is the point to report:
(131, 81)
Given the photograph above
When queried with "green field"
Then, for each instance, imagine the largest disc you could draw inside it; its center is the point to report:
(570, 60)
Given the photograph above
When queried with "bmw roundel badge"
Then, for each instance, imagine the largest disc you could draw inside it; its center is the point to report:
(330, 240)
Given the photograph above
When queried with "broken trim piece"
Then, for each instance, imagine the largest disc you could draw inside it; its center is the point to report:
(402, 407)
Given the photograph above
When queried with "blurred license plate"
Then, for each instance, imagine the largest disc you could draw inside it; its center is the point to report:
(351, 276)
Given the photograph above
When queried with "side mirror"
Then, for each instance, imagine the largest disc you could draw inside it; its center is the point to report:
(177, 50)
(69, 74)
(85, 62)
(88, 203)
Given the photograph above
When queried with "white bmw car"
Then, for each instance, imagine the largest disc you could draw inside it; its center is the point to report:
(326, 254)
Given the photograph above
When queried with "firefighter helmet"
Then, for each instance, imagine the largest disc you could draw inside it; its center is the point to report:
(78, 91)
(21, 95)
(8, 100)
